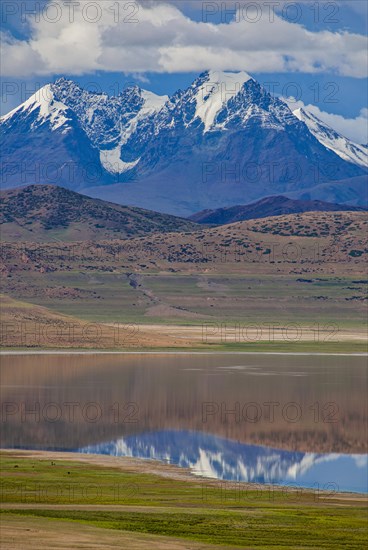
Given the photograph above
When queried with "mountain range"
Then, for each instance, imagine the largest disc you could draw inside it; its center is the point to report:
(48, 213)
(223, 141)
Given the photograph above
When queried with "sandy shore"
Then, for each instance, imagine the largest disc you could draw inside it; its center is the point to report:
(240, 332)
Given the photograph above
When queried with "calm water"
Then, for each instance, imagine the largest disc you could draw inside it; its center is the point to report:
(267, 419)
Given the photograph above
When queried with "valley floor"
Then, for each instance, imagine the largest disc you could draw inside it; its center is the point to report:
(26, 326)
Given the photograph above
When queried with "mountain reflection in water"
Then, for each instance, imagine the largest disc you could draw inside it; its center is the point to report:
(215, 457)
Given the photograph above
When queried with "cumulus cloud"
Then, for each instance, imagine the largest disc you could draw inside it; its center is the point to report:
(355, 129)
(121, 35)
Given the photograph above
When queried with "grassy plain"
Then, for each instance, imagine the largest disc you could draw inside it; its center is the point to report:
(168, 506)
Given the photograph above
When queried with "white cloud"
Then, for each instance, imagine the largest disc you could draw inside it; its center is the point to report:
(355, 129)
(142, 78)
(164, 39)
(17, 56)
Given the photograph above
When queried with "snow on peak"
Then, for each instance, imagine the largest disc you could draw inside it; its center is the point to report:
(153, 102)
(110, 158)
(49, 108)
(327, 136)
(215, 91)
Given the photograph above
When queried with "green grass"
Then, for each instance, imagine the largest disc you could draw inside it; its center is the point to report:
(204, 511)
(243, 298)
(306, 528)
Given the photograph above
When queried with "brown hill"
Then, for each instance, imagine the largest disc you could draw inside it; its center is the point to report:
(44, 213)
(264, 208)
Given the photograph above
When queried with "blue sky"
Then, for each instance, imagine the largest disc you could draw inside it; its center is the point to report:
(314, 51)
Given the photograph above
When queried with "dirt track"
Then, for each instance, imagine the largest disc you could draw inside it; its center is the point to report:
(18, 533)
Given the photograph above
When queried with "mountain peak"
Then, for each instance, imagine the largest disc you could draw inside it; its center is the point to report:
(218, 77)
(153, 101)
(49, 108)
(214, 89)
(62, 81)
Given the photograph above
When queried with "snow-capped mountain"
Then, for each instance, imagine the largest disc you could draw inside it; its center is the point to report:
(342, 146)
(46, 108)
(106, 122)
(223, 141)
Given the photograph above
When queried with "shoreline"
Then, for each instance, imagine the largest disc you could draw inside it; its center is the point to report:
(178, 352)
(171, 471)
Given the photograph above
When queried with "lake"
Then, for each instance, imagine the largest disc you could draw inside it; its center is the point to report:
(278, 419)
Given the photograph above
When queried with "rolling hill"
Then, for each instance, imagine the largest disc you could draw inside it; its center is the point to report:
(269, 206)
(42, 213)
